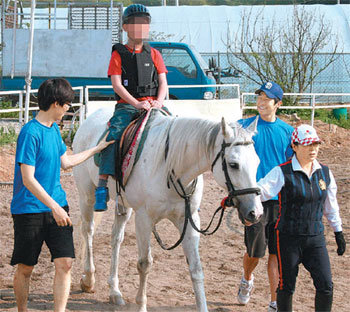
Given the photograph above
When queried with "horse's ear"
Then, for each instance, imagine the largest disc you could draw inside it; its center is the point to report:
(223, 126)
(253, 126)
(226, 129)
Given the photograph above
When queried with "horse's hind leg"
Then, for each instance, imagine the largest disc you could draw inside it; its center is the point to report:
(143, 226)
(190, 246)
(115, 296)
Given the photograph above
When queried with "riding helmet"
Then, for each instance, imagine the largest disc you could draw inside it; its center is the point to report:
(135, 10)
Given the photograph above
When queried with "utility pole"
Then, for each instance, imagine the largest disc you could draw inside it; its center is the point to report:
(30, 60)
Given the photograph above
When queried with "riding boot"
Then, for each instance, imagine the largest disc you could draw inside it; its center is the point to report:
(101, 198)
(323, 302)
(284, 301)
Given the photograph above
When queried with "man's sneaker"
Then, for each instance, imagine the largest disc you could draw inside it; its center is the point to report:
(245, 290)
(101, 198)
(272, 307)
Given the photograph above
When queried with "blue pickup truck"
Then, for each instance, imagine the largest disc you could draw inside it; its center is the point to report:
(185, 67)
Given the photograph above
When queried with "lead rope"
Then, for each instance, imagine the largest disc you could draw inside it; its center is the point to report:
(188, 208)
(188, 216)
(187, 198)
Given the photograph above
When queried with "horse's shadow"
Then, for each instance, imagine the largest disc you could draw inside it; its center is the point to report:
(44, 302)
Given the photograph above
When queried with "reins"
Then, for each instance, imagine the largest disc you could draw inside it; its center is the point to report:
(188, 215)
(226, 202)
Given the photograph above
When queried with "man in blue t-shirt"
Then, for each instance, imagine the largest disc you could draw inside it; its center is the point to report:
(272, 144)
(39, 206)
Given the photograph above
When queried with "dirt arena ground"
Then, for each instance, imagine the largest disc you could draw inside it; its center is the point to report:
(169, 286)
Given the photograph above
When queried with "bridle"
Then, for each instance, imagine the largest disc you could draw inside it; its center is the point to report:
(232, 193)
(226, 202)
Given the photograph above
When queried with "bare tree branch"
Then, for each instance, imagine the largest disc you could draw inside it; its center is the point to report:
(286, 54)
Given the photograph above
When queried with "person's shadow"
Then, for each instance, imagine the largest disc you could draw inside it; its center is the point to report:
(44, 302)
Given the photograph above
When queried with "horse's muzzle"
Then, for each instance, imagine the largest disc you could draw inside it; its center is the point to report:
(249, 223)
(250, 219)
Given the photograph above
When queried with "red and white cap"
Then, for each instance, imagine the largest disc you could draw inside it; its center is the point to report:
(305, 135)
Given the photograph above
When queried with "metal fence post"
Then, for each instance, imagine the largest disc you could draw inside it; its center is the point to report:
(86, 98)
(82, 107)
(20, 104)
(313, 110)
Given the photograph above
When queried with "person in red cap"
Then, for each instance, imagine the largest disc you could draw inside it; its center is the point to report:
(306, 190)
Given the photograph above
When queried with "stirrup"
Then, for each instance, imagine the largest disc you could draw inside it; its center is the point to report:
(121, 211)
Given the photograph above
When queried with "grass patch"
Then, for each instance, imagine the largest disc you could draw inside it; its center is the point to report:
(8, 105)
(328, 117)
(68, 135)
(7, 136)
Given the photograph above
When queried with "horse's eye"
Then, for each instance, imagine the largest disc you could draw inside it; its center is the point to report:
(234, 165)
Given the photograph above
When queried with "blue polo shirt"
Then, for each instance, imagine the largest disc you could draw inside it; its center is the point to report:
(272, 143)
(41, 147)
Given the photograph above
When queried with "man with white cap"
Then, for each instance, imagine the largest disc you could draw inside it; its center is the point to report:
(307, 191)
(272, 144)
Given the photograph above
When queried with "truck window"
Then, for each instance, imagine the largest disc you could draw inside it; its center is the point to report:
(179, 59)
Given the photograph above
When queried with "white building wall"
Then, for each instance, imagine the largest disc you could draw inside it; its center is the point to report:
(56, 53)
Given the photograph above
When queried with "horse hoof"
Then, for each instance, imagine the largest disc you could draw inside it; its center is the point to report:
(85, 288)
(117, 300)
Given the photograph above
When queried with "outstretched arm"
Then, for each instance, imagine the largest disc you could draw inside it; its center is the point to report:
(69, 161)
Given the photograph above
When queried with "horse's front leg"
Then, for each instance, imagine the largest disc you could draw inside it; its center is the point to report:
(115, 296)
(190, 246)
(143, 226)
(87, 281)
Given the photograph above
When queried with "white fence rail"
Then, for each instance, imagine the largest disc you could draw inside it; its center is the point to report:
(211, 109)
(21, 110)
(313, 105)
(84, 93)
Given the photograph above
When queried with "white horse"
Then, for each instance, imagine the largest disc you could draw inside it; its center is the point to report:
(193, 145)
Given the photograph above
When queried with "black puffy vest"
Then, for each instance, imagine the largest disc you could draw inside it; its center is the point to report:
(302, 201)
(139, 75)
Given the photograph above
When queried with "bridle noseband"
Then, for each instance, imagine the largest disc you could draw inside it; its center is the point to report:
(232, 193)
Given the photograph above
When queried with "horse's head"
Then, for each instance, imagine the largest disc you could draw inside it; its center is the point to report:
(235, 167)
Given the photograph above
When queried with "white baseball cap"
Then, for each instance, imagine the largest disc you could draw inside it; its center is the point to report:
(305, 135)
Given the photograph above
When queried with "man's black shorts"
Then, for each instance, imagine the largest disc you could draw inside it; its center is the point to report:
(261, 234)
(32, 230)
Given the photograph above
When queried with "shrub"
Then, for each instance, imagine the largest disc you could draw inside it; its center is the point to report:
(7, 136)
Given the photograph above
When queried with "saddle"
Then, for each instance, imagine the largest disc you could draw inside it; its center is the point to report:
(131, 145)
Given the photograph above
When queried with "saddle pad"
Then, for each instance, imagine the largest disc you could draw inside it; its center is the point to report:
(131, 144)
(131, 156)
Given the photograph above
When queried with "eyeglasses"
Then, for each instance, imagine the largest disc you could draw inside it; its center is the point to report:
(69, 104)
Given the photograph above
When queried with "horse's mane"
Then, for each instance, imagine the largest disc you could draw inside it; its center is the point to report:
(179, 132)
(183, 131)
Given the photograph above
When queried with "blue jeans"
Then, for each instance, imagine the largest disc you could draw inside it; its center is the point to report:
(123, 114)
